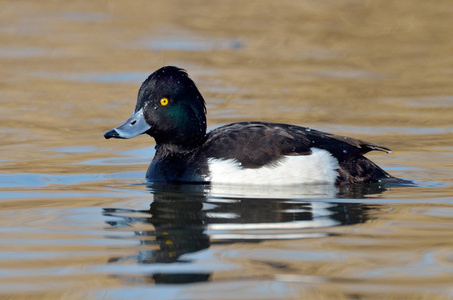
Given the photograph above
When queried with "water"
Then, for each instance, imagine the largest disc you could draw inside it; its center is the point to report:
(78, 222)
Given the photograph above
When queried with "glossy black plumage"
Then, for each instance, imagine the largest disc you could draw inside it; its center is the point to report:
(184, 149)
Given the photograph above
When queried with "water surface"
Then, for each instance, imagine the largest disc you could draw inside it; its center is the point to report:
(77, 220)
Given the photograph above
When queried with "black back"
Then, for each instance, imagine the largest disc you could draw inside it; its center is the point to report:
(257, 144)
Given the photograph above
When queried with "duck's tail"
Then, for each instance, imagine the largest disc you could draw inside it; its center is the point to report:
(361, 169)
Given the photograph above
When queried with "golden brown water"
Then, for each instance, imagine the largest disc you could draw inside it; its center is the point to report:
(76, 222)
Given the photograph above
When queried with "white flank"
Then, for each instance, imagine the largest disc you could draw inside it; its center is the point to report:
(319, 167)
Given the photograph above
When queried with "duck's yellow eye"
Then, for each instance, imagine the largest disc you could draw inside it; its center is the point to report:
(163, 101)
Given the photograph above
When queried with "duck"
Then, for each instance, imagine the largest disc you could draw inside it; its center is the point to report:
(171, 109)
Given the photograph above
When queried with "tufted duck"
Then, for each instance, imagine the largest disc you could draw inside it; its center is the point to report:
(171, 109)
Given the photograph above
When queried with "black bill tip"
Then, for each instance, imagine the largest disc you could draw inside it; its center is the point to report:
(112, 134)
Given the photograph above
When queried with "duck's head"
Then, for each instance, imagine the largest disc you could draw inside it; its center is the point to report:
(169, 108)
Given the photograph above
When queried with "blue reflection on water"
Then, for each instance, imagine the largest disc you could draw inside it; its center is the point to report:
(185, 40)
(131, 77)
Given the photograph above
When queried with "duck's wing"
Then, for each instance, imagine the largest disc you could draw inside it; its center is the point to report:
(363, 146)
(256, 144)
(342, 146)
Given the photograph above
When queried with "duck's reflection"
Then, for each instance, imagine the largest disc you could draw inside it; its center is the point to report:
(189, 218)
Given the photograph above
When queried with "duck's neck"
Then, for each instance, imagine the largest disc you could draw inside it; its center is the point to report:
(186, 139)
(164, 150)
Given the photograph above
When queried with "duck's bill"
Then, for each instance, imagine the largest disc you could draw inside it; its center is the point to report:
(134, 126)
